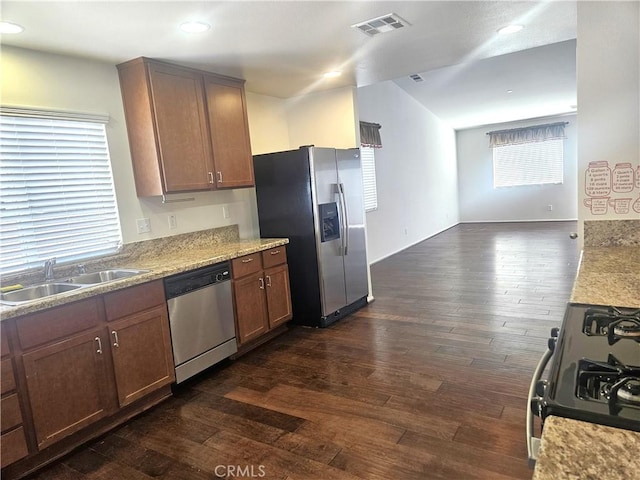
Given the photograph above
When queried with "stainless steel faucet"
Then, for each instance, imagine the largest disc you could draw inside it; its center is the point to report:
(48, 269)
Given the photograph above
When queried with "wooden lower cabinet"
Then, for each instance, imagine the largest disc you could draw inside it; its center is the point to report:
(251, 307)
(278, 295)
(262, 296)
(141, 348)
(67, 384)
(83, 368)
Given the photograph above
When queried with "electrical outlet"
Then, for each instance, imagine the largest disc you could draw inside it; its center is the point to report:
(172, 221)
(225, 211)
(144, 225)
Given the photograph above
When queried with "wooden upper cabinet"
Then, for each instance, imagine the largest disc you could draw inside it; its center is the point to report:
(181, 128)
(229, 129)
(187, 129)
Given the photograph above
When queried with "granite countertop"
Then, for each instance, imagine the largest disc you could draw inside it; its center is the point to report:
(161, 258)
(608, 276)
(571, 449)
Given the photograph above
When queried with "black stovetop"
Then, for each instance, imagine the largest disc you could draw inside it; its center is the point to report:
(595, 374)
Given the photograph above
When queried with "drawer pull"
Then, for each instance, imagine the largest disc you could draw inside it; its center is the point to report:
(116, 342)
(275, 252)
(247, 260)
(97, 339)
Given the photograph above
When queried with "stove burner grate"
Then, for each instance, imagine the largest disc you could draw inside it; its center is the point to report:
(612, 323)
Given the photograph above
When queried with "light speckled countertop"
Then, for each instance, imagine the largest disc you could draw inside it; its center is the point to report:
(571, 449)
(162, 260)
(608, 276)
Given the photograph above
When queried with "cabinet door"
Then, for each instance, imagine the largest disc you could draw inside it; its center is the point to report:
(229, 133)
(181, 127)
(142, 358)
(278, 295)
(67, 384)
(251, 307)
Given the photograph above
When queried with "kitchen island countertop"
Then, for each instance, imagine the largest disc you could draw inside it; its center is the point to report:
(571, 449)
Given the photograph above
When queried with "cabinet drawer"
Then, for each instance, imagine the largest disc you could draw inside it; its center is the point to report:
(246, 265)
(7, 380)
(11, 413)
(274, 256)
(134, 299)
(13, 446)
(59, 322)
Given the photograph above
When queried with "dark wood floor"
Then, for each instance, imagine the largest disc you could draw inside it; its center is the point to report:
(427, 382)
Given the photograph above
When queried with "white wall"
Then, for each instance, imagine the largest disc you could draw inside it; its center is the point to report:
(480, 202)
(323, 119)
(608, 60)
(44, 80)
(268, 124)
(415, 171)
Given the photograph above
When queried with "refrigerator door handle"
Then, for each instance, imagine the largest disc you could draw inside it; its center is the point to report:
(343, 205)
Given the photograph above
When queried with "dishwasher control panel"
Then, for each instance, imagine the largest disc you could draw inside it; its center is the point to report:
(195, 279)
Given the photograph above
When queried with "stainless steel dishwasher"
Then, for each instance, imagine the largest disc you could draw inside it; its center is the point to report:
(201, 317)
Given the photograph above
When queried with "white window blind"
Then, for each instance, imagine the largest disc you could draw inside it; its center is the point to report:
(56, 191)
(532, 163)
(368, 162)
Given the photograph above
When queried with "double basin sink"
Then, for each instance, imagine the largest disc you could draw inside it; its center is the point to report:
(37, 292)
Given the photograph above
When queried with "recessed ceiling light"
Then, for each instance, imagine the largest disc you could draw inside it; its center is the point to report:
(8, 27)
(194, 27)
(333, 74)
(510, 29)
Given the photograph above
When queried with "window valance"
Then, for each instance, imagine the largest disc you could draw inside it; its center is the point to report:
(535, 133)
(370, 134)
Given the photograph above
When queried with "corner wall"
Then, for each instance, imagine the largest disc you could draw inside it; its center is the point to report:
(416, 171)
(480, 202)
(608, 60)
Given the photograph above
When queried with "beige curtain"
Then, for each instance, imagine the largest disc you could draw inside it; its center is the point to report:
(370, 134)
(535, 133)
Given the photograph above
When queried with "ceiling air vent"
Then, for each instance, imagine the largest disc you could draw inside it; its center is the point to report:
(416, 78)
(383, 24)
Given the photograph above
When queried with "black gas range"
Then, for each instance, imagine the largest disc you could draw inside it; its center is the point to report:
(595, 370)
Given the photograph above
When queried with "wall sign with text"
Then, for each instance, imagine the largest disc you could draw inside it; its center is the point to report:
(612, 189)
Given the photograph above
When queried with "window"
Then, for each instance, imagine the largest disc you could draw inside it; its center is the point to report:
(368, 162)
(56, 189)
(531, 163)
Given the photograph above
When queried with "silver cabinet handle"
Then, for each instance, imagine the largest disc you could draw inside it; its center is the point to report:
(219, 177)
(247, 260)
(275, 252)
(261, 280)
(97, 339)
(268, 280)
(116, 342)
(210, 177)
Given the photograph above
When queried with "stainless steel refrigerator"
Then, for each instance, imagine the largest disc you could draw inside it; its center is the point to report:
(314, 197)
